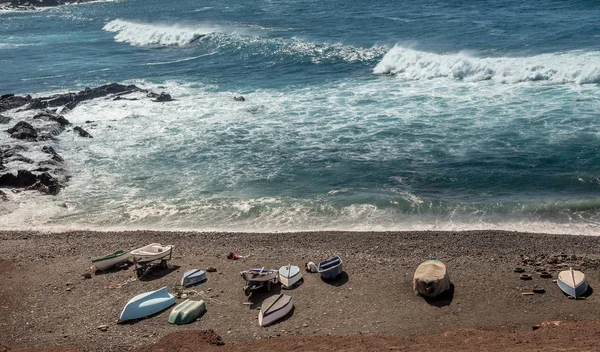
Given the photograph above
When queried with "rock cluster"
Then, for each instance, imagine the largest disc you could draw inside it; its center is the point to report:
(40, 132)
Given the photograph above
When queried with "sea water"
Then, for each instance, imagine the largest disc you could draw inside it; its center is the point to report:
(359, 115)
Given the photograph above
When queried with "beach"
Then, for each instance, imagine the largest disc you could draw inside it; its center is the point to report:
(46, 300)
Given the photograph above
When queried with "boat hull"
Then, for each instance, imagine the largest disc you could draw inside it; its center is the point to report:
(187, 312)
(267, 317)
(147, 304)
(573, 284)
(289, 275)
(104, 264)
(152, 252)
(331, 269)
(259, 276)
(193, 277)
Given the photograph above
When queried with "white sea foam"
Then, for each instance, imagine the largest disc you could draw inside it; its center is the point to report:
(571, 67)
(144, 34)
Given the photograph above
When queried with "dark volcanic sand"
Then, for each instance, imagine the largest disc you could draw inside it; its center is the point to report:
(375, 297)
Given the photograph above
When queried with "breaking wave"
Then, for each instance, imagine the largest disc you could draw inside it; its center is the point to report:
(238, 40)
(142, 34)
(571, 67)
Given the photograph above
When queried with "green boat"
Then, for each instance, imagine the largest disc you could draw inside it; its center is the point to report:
(187, 312)
(110, 260)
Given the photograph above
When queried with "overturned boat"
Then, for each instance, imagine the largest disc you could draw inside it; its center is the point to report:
(431, 279)
(187, 312)
(259, 278)
(152, 252)
(331, 269)
(110, 260)
(192, 277)
(289, 275)
(274, 308)
(572, 282)
(146, 304)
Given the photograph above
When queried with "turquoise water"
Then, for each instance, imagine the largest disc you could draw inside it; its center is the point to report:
(365, 116)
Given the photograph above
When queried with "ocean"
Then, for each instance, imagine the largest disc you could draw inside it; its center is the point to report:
(359, 115)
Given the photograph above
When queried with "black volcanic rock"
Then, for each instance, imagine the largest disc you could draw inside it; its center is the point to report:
(23, 130)
(48, 116)
(82, 132)
(5, 119)
(11, 101)
(163, 97)
(24, 178)
(49, 150)
(240, 98)
(46, 184)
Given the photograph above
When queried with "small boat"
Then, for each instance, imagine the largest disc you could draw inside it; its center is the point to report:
(274, 308)
(431, 279)
(331, 269)
(572, 282)
(151, 252)
(146, 304)
(258, 278)
(110, 260)
(289, 275)
(192, 277)
(187, 312)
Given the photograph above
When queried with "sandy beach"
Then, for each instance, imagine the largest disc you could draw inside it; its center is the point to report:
(46, 301)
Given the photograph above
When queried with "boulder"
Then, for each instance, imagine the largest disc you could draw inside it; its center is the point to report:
(48, 116)
(46, 184)
(82, 132)
(23, 130)
(4, 119)
(240, 98)
(24, 178)
(163, 97)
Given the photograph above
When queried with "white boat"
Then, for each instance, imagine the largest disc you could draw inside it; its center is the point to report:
(289, 275)
(274, 308)
(572, 282)
(110, 260)
(146, 304)
(151, 252)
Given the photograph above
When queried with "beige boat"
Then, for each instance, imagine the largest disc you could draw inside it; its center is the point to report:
(431, 279)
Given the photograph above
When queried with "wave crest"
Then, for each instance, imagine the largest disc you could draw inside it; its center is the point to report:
(571, 67)
(142, 34)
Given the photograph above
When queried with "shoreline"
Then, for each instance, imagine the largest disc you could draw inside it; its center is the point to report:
(44, 289)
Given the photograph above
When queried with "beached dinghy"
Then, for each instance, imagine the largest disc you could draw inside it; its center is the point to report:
(331, 269)
(146, 304)
(431, 279)
(258, 278)
(274, 308)
(187, 312)
(289, 275)
(192, 277)
(110, 260)
(151, 252)
(572, 282)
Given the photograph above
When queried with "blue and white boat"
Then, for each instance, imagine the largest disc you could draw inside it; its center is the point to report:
(331, 269)
(572, 282)
(146, 304)
(192, 277)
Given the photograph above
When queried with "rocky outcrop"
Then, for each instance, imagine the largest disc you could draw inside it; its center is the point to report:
(44, 182)
(240, 98)
(34, 4)
(23, 130)
(48, 175)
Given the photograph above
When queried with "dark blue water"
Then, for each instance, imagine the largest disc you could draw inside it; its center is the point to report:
(359, 115)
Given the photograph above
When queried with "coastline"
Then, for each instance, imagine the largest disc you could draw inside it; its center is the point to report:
(48, 302)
